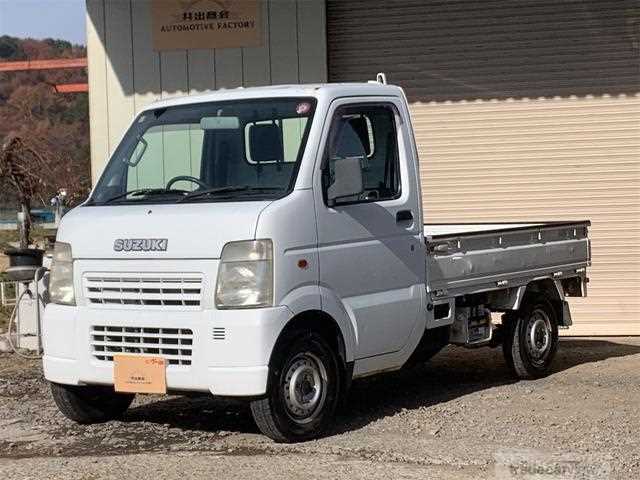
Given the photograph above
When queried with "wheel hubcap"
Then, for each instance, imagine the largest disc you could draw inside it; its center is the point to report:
(538, 336)
(304, 387)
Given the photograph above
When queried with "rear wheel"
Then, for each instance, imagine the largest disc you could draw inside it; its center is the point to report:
(531, 338)
(303, 390)
(90, 404)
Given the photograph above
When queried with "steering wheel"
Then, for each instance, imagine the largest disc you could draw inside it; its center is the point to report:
(186, 178)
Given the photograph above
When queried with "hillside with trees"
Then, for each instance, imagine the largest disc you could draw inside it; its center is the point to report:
(54, 125)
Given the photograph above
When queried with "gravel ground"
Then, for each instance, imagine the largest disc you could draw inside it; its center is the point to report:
(459, 416)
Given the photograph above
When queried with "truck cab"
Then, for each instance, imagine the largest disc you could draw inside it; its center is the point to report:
(268, 243)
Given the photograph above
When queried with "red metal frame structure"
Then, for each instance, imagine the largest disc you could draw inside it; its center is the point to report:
(72, 88)
(57, 64)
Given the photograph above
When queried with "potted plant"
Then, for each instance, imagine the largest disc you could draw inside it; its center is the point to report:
(22, 166)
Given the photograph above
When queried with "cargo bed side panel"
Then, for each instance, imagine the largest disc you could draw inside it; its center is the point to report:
(473, 262)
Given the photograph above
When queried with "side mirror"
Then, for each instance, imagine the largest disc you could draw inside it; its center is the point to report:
(348, 180)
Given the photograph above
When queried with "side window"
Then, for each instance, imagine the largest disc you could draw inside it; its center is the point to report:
(367, 132)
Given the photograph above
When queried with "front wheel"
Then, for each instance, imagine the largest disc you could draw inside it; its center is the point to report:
(303, 390)
(531, 338)
(90, 404)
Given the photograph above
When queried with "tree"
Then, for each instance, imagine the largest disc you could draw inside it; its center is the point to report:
(24, 168)
(10, 48)
(43, 122)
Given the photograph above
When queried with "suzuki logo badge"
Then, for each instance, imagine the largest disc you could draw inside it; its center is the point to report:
(141, 245)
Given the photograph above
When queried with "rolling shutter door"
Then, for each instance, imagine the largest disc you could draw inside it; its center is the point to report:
(523, 111)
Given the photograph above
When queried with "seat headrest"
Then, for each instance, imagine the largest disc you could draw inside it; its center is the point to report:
(265, 143)
(348, 142)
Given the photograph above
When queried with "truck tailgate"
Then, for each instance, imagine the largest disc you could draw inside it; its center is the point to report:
(473, 258)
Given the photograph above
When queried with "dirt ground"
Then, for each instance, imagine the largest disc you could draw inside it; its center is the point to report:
(459, 416)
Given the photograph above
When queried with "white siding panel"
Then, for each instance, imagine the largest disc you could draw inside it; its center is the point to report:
(283, 41)
(98, 99)
(312, 41)
(146, 62)
(119, 74)
(256, 61)
(202, 71)
(174, 77)
(228, 67)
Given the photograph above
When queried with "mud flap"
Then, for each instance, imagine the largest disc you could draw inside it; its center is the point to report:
(566, 320)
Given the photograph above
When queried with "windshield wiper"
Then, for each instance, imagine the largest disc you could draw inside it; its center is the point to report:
(146, 192)
(227, 190)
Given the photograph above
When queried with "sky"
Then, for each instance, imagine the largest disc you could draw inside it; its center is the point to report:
(62, 19)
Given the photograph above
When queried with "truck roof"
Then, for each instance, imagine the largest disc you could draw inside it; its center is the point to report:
(318, 90)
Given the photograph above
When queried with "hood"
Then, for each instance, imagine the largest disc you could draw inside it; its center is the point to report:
(158, 231)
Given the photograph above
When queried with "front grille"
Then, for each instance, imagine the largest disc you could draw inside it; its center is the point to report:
(182, 291)
(173, 344)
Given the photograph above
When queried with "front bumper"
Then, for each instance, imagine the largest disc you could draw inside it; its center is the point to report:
(233, 361)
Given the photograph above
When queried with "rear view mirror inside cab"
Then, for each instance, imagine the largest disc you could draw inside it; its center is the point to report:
(220, 123)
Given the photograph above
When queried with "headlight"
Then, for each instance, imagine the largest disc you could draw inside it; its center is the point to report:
(245, 275)
(61, 277)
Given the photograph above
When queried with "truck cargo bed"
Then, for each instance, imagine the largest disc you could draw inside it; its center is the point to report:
(472, 258)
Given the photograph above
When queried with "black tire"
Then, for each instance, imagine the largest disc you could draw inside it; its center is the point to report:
(90, 404)
(531, 338)
(306, 360)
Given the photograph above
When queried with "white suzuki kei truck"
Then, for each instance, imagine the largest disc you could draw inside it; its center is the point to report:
(268, 243)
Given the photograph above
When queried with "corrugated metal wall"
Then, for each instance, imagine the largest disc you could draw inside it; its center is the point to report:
(526, 110)
(125, 73)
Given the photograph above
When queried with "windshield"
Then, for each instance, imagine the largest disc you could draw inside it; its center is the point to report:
(218, 151)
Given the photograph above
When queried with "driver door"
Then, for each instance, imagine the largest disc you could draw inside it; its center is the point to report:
(369, 243)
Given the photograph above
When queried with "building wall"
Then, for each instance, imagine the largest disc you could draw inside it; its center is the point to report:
(523, 111)
(125, 73)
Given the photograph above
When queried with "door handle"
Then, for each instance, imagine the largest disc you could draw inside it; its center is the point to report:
(404, 216)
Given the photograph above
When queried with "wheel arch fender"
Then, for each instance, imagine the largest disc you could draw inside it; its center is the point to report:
(552, 290)
(507, 299)
(318, 306)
